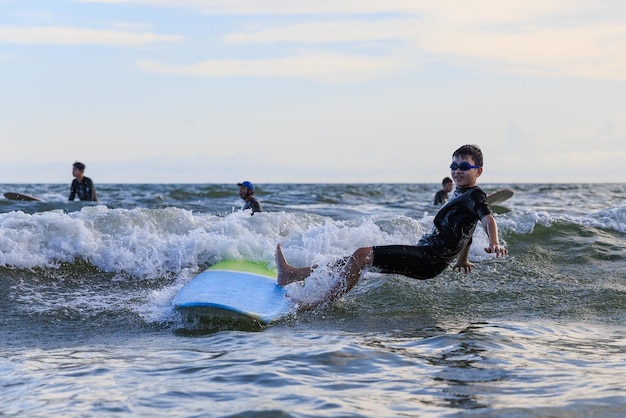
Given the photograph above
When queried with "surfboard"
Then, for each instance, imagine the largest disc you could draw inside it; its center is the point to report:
(499, 196)
(235, 291)
(21, 196)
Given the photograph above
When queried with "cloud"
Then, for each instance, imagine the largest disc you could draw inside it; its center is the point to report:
(451, 11)
(560, 38)
(280, 7)
(331, 31)
(594, 51)
(321, 67)
(78, 36)
(582, 51)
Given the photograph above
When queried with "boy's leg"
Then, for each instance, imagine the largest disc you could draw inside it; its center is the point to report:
(352, 271)
(350, 274)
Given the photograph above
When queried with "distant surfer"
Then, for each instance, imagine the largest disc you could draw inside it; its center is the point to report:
(246, 191)
(450, 238)
(82, 186)
(441, 196)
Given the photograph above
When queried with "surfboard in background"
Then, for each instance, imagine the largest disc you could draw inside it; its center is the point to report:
(499, 196)
(22, 197)
(234, 291)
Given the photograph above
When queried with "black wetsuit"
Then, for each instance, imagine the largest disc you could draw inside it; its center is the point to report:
(252, 204)
(453, 228)
(440, 197)
(85, 190)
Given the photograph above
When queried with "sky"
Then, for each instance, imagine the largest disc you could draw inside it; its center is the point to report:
(302, 91)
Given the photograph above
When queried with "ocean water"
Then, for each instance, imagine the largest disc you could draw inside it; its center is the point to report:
(88, 330)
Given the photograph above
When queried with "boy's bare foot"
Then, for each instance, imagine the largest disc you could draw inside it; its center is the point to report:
(282, 267)
(281, 263)
(286, 273)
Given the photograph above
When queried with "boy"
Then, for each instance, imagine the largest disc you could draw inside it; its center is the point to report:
(246, 192)
(450, 238)
(82, 186)
(441, 196)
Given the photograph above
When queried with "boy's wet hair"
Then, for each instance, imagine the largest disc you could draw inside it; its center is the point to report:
(446, 180)
(471, 151)
(79, 166)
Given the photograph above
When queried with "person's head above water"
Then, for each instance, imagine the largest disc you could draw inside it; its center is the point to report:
(470, 151)
(246, 184)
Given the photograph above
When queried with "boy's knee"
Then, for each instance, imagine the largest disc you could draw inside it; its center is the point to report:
(363, 255)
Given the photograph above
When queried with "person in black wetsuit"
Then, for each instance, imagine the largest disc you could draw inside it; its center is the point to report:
(246, 192)
(82, 186)
(441, 196)
(450, 238)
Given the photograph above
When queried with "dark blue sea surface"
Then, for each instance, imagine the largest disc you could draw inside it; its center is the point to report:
(88, 328)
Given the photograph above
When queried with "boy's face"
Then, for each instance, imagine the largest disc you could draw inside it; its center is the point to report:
(465, 178)
(243, 192)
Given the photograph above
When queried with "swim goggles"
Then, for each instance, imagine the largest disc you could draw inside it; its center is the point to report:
(464, 166)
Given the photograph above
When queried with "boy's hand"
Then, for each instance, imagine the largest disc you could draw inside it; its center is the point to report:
(497, 250)
(465, 265)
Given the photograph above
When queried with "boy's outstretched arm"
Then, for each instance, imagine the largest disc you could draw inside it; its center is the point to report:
(489, 223)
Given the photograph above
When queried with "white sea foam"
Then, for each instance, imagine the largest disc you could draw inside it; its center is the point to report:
(611, 219)
(152, 243)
